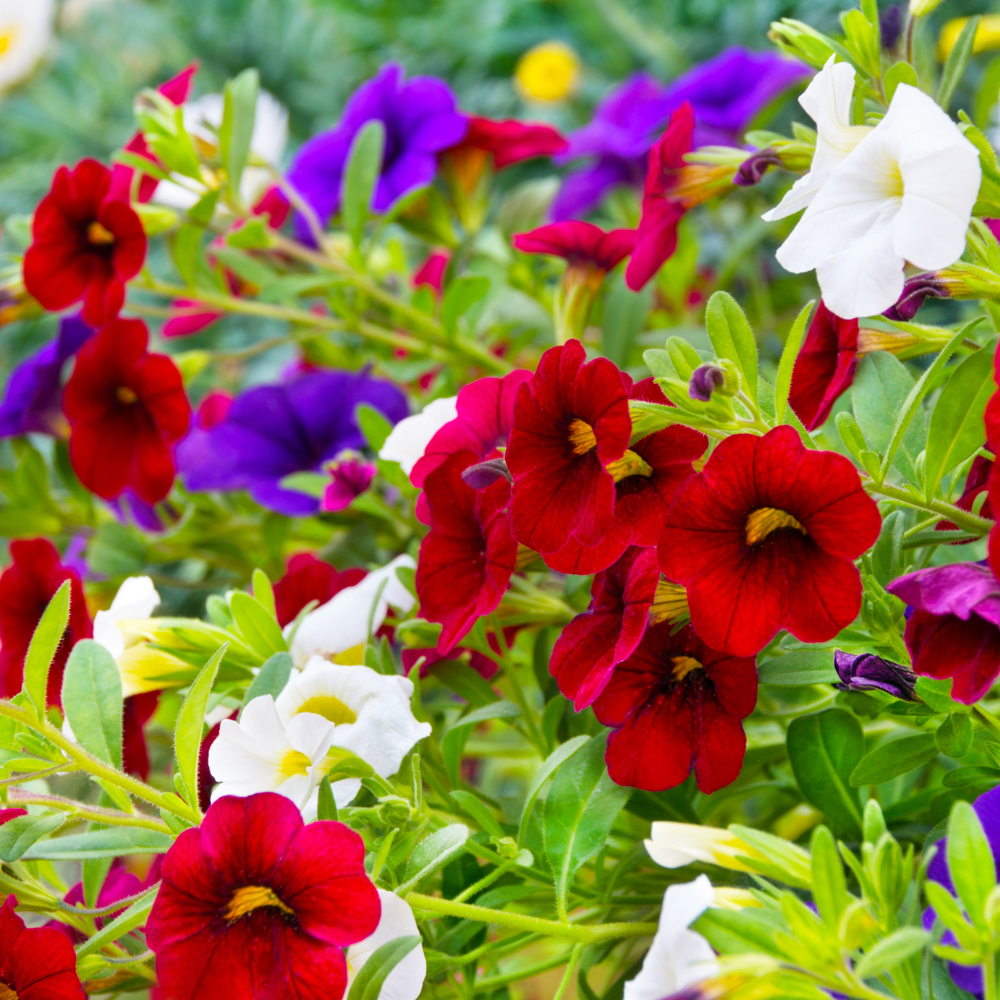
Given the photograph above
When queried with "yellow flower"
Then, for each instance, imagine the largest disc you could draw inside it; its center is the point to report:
(987, 35)
(548, 72)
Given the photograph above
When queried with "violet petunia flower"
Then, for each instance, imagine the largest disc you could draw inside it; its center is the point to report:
(420, 117)
(271, 431)
(726, 93)
(868, 672)
(954, 628)
(32, 402)
(350, 476)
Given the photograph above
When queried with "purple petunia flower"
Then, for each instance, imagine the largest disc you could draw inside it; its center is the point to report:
(421, 118)
(868, 672)
(32, 402)
(726, 93)
(272, 431)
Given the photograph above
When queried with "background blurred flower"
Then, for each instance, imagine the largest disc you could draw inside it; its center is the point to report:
(406, 980)
(35, 964)
(411, 436)
(309, 579)
(350, 476)
(987, 35)
(548, 72)
(26, 30)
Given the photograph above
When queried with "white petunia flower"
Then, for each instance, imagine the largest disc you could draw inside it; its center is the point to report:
(351, 616)
(678, 956)
(903, 195)
(259, 754)
(408, 440)
(827, 100)
(136, 599)
(407, 979)
(26, 28)
(675, 845)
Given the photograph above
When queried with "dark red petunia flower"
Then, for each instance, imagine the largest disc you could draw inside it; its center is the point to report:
(138, 710)
(431, 272)
(467, 558)
(765, 538)
(85, 245)
(126, 408)
(255, 905)
(825, 366)
(646, 479)
(119, 884)
(976, 482)
(26, 587)
(675, 704)
(583, 244)
(310, 579)
(571, 420)
(6, 815)
(510, 141)
(608, 632)
(37, 964)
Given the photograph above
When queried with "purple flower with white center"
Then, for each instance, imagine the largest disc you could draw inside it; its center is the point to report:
(726, 93)
(868, 672)
(420, 117)
(351, 475)
(32, 402)
(272, 431)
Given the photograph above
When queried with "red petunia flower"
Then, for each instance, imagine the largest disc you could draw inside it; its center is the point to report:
(431, 272)
(37, 964)
(765, 538)
(26, 587)
(310, 579)
(991, 419)
(571, 420)
(85, 245)
(510, 141)
(467, 558)
(677, 704)
(608, 632)
(584, 245)
(824, 368)
(646, 479)
(6, 815)
(138, 710)
(254, 904)
(125, 407)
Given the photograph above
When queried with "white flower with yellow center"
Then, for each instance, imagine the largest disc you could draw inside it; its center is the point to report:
(675, 845)
(26, 28)
(408, 440)
(407, 979)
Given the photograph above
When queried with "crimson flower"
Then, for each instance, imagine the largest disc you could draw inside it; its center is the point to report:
(510, 141)
(85, 245)
(125, 407)
(583, 244)
(37, 964)
(608, 632)
(765, 538)
(954, 629)
(6, 815)
(824, 368)
(254, 904)
(26, 587)
(467, 558)
(431, 273)
(675, 704)
(646, 478)
(571, 420)
(310, 579)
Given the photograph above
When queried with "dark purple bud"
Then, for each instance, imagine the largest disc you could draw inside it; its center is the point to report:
(705, 379)
(890, 23)
(754, 167)
(486, 473)
(916, 289)
(868, 672)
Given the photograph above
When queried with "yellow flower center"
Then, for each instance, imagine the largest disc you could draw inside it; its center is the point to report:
(125, 395)
(7, 39)
(765, 520)
(549, 72)
(582, 437)
(669, 603)
(98, 235)
(295, 762)
(683, 665)
(246, 899)
(630, 464)
(330, 708)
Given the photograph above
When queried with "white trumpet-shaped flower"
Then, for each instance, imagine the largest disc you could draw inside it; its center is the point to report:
(678, 956)
(136, 599)
(26, 28)
(408, 440)
(903, 194)
(675, 845)
(406, 980)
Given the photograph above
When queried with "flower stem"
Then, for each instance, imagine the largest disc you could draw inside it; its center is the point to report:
(574, 961)
(510, 670)
(971, 523)
(93, 814)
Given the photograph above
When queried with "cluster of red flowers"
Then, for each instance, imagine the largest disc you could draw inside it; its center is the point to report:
(763, 538)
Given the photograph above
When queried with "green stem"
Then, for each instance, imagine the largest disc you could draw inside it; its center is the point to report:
(484, 882)
(574, 961)
(971, 523)
(93, 814)
(987, 718)
(510, 670)
(990, 977)
(528, 972)
(102, 911)
(32, 775)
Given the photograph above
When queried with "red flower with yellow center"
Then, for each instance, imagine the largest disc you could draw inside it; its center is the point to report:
(255, 905)
(37, 964)
(765, 538)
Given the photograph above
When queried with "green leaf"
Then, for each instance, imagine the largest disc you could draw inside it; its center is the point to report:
(363, 166)
(258, 627)
(327, 805)
(479, 811)
(793, 344)
(254, 234)
(897, 73)
(239, 116)
(271, 679)
(892, 951)
(893, 758)
(956, 425)
(829, 886)
(823, 750)
(108, 843)
(373, 425)
(132, 917)
(732, 338)
(433, 853)
(44, 645)
(887, 552)
(191, 724)
(186, 246)
(459, 677)
(263, 591)
(954, 736)
(801, 666)
(368, 983)
(736, 932)
(958, 60)
(552, 762)
(20, 833)
(970, 861)
(454, 740)
(936, 692)
(92, 701)
(462, 294)
(625, 315)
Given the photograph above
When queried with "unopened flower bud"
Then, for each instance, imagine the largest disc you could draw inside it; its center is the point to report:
(890, 25)
(394, 810)
(868, 672)
(704, 381)
(486, 473)
(753, 168)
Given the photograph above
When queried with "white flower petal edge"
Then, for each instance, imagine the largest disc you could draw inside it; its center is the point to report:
(407, 979)
(904, 194)
(408, 440)
(827, 100)
(675, 845)
(678, 956)
(27, 27)
(343, 622)
(136, 599)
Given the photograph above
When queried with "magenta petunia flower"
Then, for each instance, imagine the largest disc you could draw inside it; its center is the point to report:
(350, 476)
